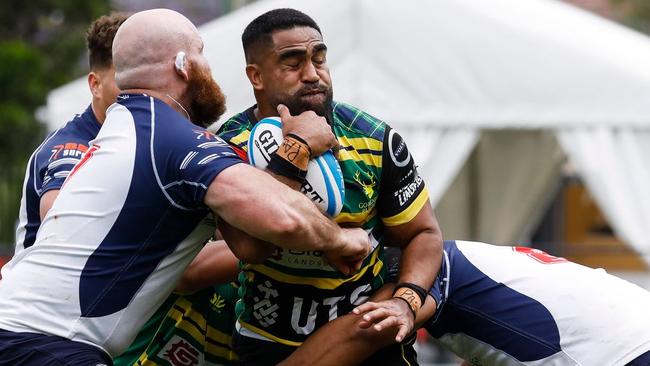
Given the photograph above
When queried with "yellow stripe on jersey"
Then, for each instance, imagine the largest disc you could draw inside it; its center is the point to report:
(197, 333)
(368, 159)
(145, 361)
(322, 283)
(409, 213)
(220, 351)
(241, 138)
(268, 335)
(219, 336)
(361, 143)
(193, 331)
(357, 217)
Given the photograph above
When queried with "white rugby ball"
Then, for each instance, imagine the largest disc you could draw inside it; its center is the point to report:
(324, 183)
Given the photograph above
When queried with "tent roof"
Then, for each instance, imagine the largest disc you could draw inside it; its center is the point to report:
(496, 64)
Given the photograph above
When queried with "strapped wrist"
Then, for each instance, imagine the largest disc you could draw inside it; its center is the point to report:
(291, 159)
(412, 294)
(421, 292)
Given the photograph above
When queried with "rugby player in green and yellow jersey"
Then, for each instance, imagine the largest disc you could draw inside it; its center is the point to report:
(288, 294)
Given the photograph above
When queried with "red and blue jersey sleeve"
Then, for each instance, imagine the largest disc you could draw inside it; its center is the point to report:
(56, 159)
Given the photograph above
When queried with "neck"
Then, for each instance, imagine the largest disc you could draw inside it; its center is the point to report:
(99, 112)
(174, 103)
(265, 110)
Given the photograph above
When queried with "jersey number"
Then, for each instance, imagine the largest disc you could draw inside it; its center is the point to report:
(540, 256)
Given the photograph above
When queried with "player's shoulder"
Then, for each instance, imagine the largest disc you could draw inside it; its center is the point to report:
(236, 129)
(358, 123)
(83, 126)
(71, 140)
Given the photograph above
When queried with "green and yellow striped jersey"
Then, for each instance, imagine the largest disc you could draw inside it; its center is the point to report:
(191, 329)
(294, 292)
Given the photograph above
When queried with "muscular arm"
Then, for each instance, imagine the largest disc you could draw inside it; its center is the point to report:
(421, 243)
(254, 202)
(412, 226)
(343, 342)
(244, 246)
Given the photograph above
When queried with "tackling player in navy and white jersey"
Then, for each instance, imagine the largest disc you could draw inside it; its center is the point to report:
(513, 305)
(52, 161)
(137, 208)
(499, 305)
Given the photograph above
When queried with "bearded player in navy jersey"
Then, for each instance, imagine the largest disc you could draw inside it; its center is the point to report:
(52, 161)
(139, 205)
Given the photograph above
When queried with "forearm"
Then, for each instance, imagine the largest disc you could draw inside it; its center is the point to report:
(420, 241)
(244, 246)
(340, 342)
(421, 259)
(343, 342)
(259, 205)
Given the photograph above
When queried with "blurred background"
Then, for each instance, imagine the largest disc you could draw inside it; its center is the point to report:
(530, 119)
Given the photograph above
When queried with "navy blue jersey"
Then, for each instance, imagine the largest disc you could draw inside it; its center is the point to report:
(48, 167)
(503, 305)
(128, 220)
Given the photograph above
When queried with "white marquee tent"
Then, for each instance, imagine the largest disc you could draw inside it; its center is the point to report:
(441, 71)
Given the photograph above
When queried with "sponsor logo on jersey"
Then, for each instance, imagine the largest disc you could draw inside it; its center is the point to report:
(217, 303)
(305, 324)
(179, 352)
(264, 308)
(368, 205)
(89, 154)
(405, 193)
(68, 150)
(399, 153)
(304, 259)
(204, 134)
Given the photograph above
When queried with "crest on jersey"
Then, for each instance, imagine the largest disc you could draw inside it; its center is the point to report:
(368, 185)
(179, 352)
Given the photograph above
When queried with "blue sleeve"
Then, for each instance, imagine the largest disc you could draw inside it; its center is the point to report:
(56, 159)
(198, 156)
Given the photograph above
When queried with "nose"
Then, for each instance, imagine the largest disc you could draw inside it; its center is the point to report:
(309, 74)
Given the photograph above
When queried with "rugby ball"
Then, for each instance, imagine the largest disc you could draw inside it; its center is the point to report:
(324, 183)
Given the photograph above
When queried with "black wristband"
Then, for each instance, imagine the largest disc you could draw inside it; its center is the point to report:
(280, 166)
(422, 293)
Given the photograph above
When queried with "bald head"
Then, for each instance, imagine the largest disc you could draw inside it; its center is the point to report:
(146, 45)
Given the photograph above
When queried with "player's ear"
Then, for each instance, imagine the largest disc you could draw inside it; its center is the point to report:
(255, 76)
(180, 65)
(95, 84)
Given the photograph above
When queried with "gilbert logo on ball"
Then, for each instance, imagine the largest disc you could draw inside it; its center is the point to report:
(324, 183)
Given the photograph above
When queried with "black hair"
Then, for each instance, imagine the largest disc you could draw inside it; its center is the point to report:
(260, 29)
(99, 39)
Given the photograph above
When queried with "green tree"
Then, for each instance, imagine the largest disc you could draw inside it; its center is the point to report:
(41, 47)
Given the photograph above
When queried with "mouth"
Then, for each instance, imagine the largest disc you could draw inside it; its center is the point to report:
(312, 92)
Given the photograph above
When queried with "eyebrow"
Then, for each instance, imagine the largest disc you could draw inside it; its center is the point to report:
(283, 55)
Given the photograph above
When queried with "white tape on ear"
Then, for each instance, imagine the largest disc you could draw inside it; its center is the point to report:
(180, 61)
